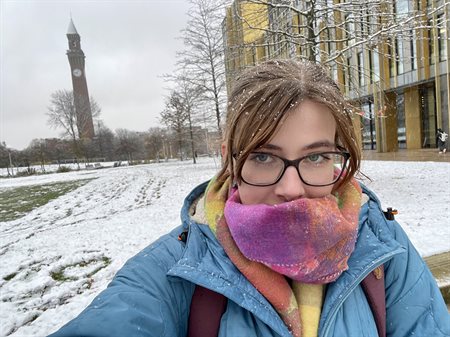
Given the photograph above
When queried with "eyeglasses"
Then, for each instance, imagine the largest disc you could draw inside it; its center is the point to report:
(314, 169)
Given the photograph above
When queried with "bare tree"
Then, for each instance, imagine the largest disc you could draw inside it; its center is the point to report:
(62, 114)
(104, 141)
(38, 151)
(128, 143)
(154, 143)
(203, 58)
(7, 156)
(175, 117)
(189, 97)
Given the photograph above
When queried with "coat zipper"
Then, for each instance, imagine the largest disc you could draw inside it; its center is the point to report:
(343, 297)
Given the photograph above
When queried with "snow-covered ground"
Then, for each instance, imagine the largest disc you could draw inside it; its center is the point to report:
(86, 235)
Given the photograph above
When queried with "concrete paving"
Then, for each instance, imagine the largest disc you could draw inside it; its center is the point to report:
(439, 265)
(408, 155)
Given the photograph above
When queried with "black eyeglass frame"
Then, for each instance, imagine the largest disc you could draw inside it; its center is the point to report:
(295, 163)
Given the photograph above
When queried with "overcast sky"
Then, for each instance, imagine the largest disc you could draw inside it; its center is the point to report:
(128, 45)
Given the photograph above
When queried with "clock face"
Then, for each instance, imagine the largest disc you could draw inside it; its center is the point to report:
(77, 72)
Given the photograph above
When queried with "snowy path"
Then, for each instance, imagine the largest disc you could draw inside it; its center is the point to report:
(59, 256)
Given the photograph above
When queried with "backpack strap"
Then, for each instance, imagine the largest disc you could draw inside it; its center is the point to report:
(373, 286)
(207, 308)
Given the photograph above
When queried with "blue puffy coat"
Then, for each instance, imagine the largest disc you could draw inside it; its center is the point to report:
(151, 294)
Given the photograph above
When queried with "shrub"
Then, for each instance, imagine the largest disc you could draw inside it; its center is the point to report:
(28, 172)
(62, 169)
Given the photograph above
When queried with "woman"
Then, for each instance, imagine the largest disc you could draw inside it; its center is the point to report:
(284, 231)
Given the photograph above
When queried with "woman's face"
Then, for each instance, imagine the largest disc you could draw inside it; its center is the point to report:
(308, 129)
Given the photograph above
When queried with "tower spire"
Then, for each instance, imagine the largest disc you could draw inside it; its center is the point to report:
(71, 30)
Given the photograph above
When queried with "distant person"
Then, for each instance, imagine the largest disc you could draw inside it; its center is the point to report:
(284, 232)
(442, 140)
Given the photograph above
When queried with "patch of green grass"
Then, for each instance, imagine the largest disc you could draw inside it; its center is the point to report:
(17, 202)
(106, 261)
(59, 276)
(9, 277)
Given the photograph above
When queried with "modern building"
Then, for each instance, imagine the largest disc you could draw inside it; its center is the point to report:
(391, 59)
(76, 58)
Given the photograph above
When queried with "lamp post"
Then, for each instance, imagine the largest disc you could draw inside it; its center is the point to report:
(10, 163)
(164, 147)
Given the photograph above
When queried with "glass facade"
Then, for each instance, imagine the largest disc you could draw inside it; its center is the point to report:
(401, 125)
(368, 123)
(428, 116)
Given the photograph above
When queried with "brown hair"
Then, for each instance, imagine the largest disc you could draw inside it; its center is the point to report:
(262, 98)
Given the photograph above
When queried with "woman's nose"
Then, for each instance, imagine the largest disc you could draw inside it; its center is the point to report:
(290, 186)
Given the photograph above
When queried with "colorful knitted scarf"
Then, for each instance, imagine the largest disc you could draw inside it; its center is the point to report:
(308, 240)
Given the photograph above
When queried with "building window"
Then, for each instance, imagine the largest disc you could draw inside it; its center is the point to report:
(361, 27)
(431, 41)
(391, 57)
(370, 67)
(442, 42)
(412, 50)
(401, 8)
(368, 122)
(349, 28)
(344, 80)
(401, 124)
(428, 115)
(369, 21)
(376, 65)
(349, 73)
(334, 72)
(399, 55)
(360, 69)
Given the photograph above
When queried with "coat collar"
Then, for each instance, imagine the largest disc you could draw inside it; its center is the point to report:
(204, 262)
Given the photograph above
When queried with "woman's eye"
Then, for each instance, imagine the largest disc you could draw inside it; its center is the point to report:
(261, 157)
(314, 157)
(317, 158)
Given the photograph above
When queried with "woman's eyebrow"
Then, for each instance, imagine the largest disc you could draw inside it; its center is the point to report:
(319, 144)
(312, 146)
(269, 147)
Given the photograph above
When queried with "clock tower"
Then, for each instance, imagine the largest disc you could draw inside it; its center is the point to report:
(76, 57)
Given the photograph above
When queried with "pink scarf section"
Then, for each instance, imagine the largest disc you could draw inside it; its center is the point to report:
(307, 240)
(272, 284)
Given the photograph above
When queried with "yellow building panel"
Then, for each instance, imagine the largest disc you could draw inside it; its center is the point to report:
(413, 121)
(256, 21)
